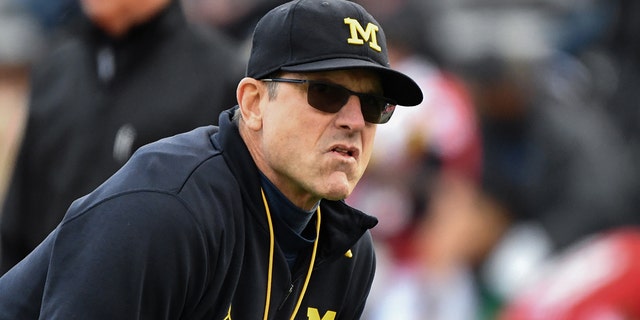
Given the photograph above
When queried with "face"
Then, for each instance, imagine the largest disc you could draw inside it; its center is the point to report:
(310, 154)
(116, 17)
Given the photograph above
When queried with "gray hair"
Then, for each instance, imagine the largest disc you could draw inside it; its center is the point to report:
(237, 115)
(272, 90)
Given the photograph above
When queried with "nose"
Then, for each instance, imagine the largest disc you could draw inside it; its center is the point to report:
(350, 116)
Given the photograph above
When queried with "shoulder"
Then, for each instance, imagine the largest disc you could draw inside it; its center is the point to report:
(161, 167)
(174, 192)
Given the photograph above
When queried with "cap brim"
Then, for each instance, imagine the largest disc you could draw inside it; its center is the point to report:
(396, 85)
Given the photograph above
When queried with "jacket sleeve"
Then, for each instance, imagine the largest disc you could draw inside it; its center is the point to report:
(137, 256)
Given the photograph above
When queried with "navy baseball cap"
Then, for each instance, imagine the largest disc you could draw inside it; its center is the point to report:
(325, 35)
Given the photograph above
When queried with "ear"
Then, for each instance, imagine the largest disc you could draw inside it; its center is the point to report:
(250, 94)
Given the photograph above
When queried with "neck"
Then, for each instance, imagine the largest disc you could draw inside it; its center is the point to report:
(297, 195)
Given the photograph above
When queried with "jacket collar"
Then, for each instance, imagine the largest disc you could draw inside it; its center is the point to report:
(342, 226)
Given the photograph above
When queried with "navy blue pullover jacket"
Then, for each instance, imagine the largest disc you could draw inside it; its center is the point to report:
(182, 232)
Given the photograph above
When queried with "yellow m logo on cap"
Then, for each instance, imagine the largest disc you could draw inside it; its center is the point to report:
(369, 34)
(314, 314)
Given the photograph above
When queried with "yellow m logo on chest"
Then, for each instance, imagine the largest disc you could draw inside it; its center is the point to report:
(358, 34)
(314, 314)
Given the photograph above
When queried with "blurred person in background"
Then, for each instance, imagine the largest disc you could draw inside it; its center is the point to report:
(597, 277)
(610, 58)
(416, 154)
(21, 45)
(556, 163)
(555, 170)
(133, 72)
(458, 230)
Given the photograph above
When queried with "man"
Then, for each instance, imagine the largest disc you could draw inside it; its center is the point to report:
(245, 220)
(135, 72)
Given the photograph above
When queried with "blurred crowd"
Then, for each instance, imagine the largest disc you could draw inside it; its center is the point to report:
(510, 193)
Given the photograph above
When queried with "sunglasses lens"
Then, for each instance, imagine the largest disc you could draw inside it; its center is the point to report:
(331, 98)
(371, 108)
(387, 112)
(326, 97)
(375, 109)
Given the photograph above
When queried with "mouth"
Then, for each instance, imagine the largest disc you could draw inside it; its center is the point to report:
(346, 151)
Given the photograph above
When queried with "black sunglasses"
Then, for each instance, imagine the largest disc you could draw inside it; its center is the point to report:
(329, 97)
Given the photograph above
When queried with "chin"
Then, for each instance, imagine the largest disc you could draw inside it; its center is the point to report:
(335, 197)
(337, 187)
(338, 193)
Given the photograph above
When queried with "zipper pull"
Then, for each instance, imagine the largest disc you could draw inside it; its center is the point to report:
(286, 297)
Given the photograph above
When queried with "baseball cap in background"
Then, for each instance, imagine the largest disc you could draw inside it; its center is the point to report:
(324, 35)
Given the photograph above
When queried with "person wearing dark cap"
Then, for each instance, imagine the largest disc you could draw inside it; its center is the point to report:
(245, 220)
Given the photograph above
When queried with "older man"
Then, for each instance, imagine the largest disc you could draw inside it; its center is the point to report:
(245, 220)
